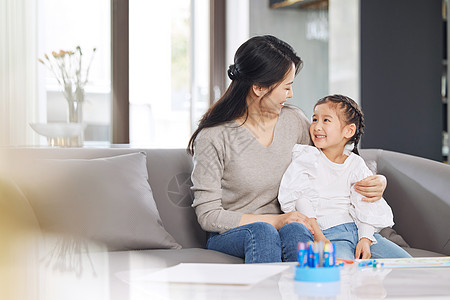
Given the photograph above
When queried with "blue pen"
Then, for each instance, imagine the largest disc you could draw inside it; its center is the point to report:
(302, 255)
(366, 263)
(310, 254)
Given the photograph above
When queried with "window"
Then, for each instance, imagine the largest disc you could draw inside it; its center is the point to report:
(169, 70)
(168, 66)
(65, 24)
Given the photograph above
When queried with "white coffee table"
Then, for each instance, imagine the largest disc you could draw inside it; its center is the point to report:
(120, 276)
(356, 283)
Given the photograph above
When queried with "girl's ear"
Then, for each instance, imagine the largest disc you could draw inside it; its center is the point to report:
(259, 91)
(349, 130)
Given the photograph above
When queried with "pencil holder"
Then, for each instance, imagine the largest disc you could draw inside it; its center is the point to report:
(320, 274)
(316, 263)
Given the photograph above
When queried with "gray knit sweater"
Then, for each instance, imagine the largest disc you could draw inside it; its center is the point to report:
(234, 174)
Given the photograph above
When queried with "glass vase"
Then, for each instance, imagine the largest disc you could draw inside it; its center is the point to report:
(75, 115)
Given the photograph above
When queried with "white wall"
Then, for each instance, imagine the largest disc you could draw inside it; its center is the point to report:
(344, 49)
(238, 27)
(290, 25)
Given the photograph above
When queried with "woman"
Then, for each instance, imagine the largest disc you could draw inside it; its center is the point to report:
(241, 149)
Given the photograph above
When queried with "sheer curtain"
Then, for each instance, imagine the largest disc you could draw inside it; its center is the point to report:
(18, 72)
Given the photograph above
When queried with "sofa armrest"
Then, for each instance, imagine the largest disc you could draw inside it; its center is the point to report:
(418, 192)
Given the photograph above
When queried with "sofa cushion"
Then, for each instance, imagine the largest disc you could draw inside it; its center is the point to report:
(106, 200)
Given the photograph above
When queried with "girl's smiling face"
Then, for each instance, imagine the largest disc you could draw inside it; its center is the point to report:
(327, 131)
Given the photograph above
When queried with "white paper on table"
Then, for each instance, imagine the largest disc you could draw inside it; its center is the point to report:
(232, 274)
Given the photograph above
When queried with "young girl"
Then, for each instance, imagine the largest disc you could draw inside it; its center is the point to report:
(319, 183)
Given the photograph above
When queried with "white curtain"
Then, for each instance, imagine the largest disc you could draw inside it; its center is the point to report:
(18, 72)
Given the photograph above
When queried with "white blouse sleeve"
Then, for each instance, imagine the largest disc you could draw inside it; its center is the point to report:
(370, 217)
(296, 190)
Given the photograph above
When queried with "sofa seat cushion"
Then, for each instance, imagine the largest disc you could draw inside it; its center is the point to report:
(163, 258)
(414, 252)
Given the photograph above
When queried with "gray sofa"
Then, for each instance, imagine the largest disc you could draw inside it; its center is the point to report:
(418, 191)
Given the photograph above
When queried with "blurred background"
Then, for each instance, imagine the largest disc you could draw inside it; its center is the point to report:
(160, 64)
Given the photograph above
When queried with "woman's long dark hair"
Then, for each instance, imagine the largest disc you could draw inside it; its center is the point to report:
(263, 61)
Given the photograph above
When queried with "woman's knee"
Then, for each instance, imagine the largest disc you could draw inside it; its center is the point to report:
(256, 242)
(263, 243)
(263, 230)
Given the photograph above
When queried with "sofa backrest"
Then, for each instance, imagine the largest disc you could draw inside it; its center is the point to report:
(418, 191)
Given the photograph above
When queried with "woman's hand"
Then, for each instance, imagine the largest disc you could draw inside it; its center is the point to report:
(293, 216)
(318, 234)
(371, 187)
(363, 249)
(321, 239)
(278, 220)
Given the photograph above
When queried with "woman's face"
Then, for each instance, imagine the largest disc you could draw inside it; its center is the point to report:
(273, 102)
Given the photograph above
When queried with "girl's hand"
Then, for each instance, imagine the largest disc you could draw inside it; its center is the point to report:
(371, 187)
(293, 216)
(363, 249)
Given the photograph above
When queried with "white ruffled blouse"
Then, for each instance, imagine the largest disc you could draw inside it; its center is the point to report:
(322, 189)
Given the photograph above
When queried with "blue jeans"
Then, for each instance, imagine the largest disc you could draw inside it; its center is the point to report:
(345, 238)
(261, 242)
